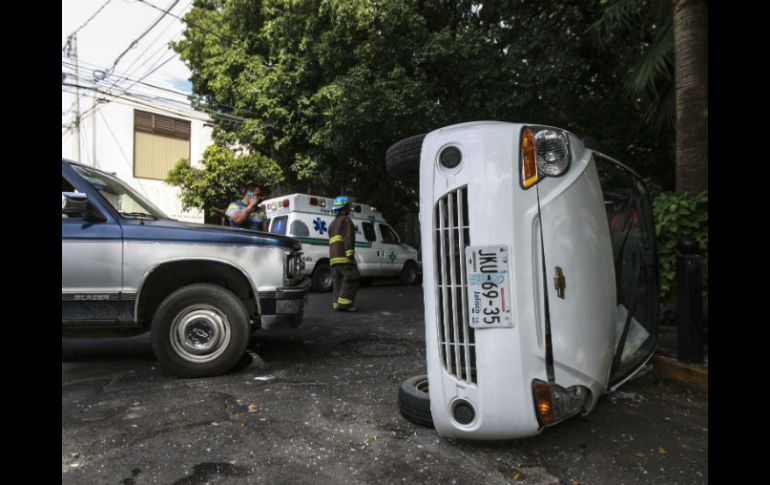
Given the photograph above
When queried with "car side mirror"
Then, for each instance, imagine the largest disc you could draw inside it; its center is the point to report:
(75, 204)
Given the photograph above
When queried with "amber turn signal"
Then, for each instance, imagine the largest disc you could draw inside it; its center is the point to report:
(528, 165)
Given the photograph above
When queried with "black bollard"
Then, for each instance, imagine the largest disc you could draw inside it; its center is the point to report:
(689, 301)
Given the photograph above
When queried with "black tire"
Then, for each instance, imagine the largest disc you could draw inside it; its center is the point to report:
(414, 401)
(402, 159)
(194, 317)
(410, 274)
(322, 277)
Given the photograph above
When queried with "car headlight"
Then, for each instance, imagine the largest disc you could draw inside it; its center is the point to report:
(544, 152)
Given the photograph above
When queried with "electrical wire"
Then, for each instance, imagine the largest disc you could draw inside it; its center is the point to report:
(135, 41)
(84, 24)
(152, 42)
(188, 22)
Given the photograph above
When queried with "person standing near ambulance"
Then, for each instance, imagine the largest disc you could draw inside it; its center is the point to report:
(246, 212)
(342, 244)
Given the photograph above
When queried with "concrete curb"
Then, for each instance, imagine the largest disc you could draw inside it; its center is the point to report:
(690, 375)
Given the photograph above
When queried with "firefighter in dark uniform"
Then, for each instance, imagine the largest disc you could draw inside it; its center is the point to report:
(342, 258)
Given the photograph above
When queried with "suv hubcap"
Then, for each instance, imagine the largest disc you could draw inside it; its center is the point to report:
(200, 333)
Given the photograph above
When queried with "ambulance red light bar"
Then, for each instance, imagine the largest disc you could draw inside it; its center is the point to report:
(313, 201)
(285, 202)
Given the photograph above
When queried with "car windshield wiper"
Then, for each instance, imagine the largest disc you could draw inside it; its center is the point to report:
(138, 215)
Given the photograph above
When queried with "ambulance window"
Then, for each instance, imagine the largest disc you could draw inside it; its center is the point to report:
(369, 231)
(299, 228)
(388, 236)
(279, 225)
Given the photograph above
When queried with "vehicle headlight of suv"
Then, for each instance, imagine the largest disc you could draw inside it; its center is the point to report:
(293, 265)
(545, 152)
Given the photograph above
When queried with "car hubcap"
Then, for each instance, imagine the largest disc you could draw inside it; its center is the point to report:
(327, 279)
(200, 333)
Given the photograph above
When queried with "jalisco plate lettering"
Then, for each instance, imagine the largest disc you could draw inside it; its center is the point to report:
(489, 292)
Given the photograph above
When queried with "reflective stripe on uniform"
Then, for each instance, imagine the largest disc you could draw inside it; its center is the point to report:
(334, 239)
(339, 260)
(349, 253)
(344, 301)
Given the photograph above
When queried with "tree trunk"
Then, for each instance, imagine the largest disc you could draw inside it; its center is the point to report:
(691, 65)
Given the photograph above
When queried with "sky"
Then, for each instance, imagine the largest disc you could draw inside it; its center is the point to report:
(109, 33)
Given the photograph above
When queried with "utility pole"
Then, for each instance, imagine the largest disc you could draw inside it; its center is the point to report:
(73, 41)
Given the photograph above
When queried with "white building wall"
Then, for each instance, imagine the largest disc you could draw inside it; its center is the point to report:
(107, 143)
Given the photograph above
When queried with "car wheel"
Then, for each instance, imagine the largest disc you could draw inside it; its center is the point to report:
(322, 277)
(409, 274)
(200, 330)
(414, 401)
(402, 159)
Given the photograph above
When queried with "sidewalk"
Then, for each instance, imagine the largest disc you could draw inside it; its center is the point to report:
(667, 367)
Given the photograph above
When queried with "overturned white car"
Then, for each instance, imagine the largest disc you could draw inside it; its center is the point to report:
(540, 277)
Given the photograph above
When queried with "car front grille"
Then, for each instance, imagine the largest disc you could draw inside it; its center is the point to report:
(452, 236)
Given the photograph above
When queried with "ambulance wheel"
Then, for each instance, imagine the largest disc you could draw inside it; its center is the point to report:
(402, 159)
(322, 277)
(414, 401)
(409, 274)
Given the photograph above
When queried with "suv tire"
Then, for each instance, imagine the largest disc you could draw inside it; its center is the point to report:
(200, 330)
(414, 401)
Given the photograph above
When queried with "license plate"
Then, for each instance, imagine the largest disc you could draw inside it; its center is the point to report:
(489, 293)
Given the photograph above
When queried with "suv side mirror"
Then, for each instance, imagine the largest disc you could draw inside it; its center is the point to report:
(75, 204)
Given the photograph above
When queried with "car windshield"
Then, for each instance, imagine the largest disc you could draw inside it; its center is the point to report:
(123, 198)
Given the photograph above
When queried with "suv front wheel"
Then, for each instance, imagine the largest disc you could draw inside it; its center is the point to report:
(200, 330)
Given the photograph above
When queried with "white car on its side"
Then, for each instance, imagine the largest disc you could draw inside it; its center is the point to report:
(540, 277)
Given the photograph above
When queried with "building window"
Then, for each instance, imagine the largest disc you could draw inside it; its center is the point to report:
(159, 142)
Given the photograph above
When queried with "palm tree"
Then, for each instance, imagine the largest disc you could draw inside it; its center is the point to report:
(673, 40)
(690, 39)
(650, 83)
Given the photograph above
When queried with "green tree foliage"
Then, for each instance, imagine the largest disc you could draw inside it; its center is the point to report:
(325, 86)
(222, 178)
(647, 24)
(678, 214)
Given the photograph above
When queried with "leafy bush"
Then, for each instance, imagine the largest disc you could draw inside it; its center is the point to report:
(676, 215)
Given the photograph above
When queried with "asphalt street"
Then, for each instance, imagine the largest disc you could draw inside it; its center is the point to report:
(319, 405)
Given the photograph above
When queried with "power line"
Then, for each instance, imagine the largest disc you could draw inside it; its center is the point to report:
(181, 93)
(84, 24)
(135, 41)
(132, 100)
(219, 104)
(152, 42)
(191, 24)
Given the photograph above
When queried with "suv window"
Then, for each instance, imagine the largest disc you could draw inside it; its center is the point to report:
(388, 236)
(299, 228)
(279, 225)
(369, 231)
(119, 195)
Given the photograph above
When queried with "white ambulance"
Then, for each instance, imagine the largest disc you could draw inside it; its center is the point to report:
(379, 250)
